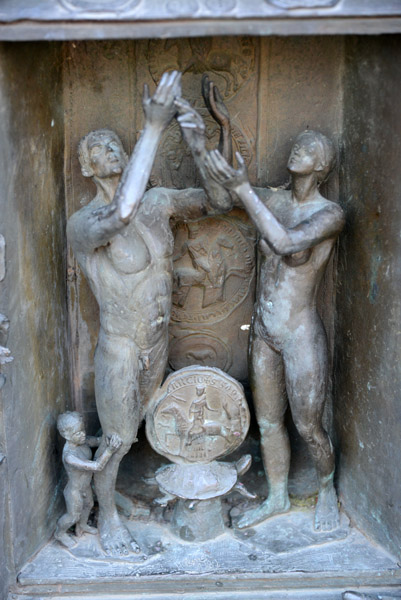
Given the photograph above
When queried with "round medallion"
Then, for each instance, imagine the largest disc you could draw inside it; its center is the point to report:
(212, 270)
(199, 349)
(200, 415)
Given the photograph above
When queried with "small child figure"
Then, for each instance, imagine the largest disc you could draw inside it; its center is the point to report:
(77, 461)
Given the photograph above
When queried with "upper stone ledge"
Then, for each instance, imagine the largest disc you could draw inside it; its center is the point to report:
(12, 11)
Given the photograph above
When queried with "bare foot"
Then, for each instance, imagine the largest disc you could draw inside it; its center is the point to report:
(81, 528)
(115, 537)
(327, 516)
(268, 508)
(65, 539)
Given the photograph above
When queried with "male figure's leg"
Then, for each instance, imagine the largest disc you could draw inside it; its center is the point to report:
(151, 377)
(118, 405)
(268, 389)
(306, 366)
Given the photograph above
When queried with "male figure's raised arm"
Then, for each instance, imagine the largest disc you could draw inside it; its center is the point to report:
(159, 110)
(324, 224)
(89, 229)
(193, 131)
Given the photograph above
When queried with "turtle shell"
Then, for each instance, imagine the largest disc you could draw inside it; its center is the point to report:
(197, 481)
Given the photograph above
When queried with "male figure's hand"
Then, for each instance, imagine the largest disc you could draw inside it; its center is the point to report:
(214, 102)
(219, 170)
(113, 442)
(192, 125)
(160, 109)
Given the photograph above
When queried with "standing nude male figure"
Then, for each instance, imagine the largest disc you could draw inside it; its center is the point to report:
(124, 245)
(288, 352)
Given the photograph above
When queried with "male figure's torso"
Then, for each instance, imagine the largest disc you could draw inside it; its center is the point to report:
(131, 275)
(288, 285)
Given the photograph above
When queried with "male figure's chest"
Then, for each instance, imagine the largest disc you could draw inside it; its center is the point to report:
(127, 251)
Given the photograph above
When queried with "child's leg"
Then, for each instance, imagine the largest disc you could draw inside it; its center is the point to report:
(82, 525)
(72, 516)
(63, 524)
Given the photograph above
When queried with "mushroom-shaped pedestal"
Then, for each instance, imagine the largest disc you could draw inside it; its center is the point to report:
(199, 415)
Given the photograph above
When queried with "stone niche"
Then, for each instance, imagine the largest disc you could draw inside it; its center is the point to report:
(52, 93)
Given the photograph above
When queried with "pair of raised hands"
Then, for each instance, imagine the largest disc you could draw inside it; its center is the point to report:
(167, 102)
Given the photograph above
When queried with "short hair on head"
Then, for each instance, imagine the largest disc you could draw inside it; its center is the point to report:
(326, 151)
(66, 421)
(83, 153)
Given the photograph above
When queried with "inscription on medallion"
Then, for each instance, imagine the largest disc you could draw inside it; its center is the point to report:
(200, 415)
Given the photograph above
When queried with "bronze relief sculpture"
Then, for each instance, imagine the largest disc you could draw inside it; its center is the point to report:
(288, 352)
(77, 455)
(124, 246)
(199, 416)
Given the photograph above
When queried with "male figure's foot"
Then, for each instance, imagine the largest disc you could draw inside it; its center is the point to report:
(81, 528)
(65, 539)
(274, 505)
(327, 516)
(115, 537)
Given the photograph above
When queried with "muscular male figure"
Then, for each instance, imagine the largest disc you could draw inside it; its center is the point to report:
(124, 247)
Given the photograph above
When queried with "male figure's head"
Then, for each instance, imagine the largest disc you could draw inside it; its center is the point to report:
(312, 152)
(101, 154)
(71, 427)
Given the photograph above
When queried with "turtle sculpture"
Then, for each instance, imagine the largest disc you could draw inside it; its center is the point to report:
(199, 415)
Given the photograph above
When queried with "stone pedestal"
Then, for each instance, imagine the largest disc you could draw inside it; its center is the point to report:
(199, 522)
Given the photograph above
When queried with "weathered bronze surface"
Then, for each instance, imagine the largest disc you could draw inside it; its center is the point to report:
(124, 247)
(80, 19)
(199, 415)
(347, 88)
(289, 362)
(77, 461)
(5, 353)
(368, 350)
(214, 277)
(359, 596)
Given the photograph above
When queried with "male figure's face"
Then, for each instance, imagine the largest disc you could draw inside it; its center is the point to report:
(106, 155)
(76, 434)
(304, 157)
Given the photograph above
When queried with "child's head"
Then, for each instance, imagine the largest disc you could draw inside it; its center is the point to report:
(71, 427)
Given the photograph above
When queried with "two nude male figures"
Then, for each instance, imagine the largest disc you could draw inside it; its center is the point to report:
(124, 245)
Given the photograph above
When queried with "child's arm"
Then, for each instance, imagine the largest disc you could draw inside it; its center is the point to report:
(113, 443)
